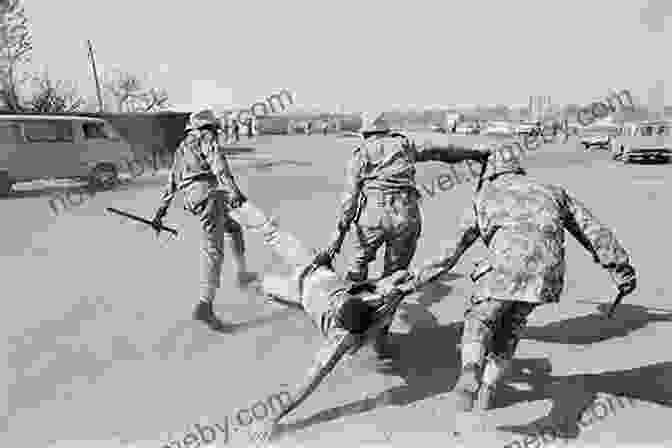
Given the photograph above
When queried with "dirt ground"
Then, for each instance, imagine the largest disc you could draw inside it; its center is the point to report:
(102, 352)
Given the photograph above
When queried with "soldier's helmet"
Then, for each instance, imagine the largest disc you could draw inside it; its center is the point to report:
(504, 158)
(202, 118)
(374, 123)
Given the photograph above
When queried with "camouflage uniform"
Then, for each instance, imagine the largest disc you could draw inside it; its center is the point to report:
(201, 172)
(381, 198)
(522, 223)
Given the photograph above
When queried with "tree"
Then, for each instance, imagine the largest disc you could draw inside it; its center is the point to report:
(15, 49)
(131, 95)
(50, 96)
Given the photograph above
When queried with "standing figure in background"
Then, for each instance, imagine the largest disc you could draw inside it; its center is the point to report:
(235, 128)
(250, 130)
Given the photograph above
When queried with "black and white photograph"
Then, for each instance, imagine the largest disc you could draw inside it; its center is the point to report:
(343, 224)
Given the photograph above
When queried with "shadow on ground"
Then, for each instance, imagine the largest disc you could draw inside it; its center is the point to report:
(427, 375)
(574, 394)
(593, 328)
(229, 150)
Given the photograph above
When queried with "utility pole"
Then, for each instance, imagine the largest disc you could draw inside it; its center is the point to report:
(95, 76)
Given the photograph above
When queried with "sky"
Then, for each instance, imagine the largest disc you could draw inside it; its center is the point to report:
(362, 55)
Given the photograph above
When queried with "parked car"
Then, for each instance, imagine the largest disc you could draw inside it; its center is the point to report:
(36, 147)
(598, 136)
(646, 140)
(499, 130)
(467, 128)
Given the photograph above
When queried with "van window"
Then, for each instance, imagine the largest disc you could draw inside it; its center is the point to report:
(93, 130)
(10, 133)
(48, 131)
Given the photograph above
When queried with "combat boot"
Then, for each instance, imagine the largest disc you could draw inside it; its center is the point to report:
(205, 313)
(494, 371)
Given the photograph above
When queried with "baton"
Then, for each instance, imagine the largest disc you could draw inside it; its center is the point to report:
(142, 220)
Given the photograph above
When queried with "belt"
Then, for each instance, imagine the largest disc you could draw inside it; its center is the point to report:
(383, 198)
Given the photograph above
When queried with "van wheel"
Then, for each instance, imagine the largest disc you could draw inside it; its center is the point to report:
(104, 177)
(618, 153)
(5, 184)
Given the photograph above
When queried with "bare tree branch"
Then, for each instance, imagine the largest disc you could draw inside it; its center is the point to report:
(50, 96)
(131, 95)
(15, 49)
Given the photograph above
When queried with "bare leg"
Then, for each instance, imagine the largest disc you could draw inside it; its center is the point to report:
(289, 249)
(283, 244)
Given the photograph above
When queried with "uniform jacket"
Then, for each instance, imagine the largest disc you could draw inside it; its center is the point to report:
(384, 164)
(199, 167)
(522, 223)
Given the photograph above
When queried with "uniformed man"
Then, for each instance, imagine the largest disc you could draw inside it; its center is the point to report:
(522, 223)
(250, 127)
(210, 191)
(381, 199)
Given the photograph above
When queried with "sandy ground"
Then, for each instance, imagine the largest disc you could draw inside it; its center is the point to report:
(101, 350)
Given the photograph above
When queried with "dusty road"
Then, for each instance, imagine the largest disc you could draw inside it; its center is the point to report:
(101, 350)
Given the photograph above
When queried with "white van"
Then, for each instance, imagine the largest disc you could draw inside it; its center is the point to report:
(49, 146)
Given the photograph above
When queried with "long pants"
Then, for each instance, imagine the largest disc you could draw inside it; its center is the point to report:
(495, 326)
(217, 227)
(394, 220)
(390, 219)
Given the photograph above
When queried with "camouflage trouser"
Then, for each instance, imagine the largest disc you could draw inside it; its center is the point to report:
(495, 324)
(391, 219)
(217, 227)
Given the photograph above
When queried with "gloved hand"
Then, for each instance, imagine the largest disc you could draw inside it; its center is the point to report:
(237, 199)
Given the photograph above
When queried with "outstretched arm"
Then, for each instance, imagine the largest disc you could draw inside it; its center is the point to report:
(338, 345)
(598, 240)
(467, 235)
(430, 151)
